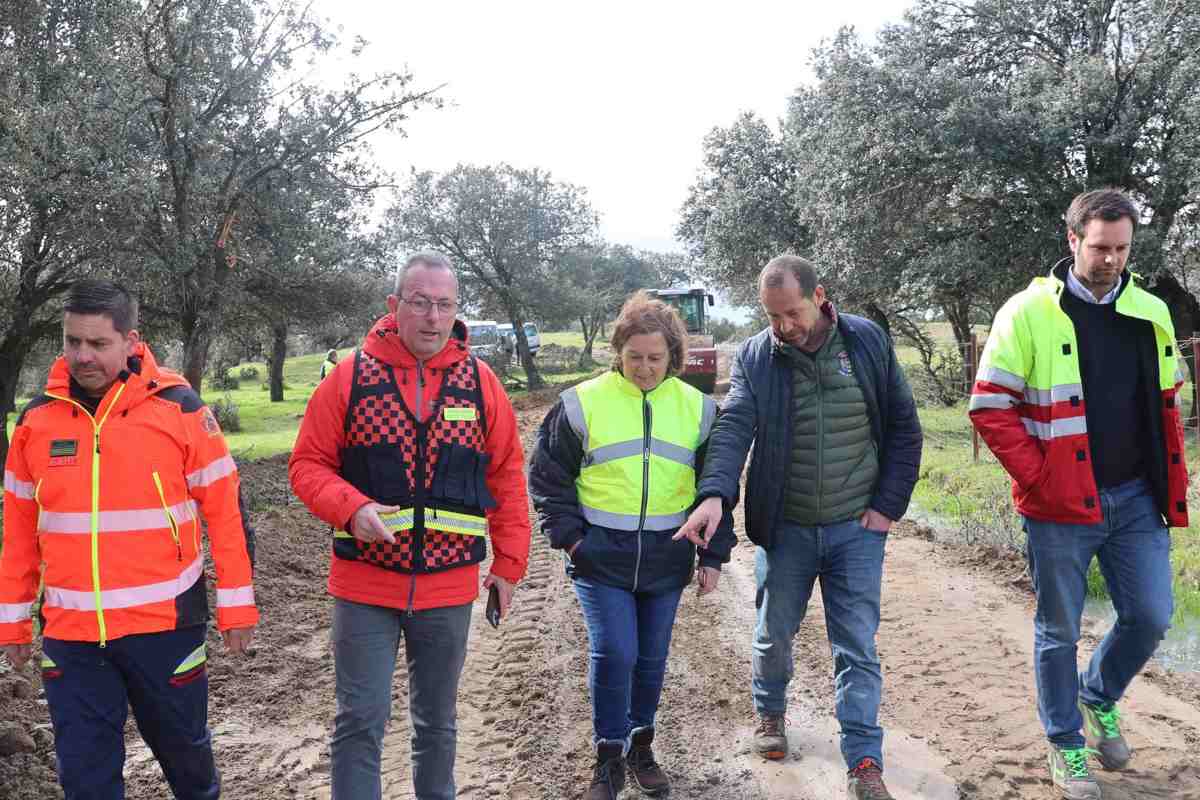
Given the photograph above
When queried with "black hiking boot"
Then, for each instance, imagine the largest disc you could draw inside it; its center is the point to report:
(608, 776)
(646, 773)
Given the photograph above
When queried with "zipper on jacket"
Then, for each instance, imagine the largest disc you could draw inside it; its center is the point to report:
(420, 386)
(647, 421)
(170, 517)
(820, 440)
(95, 521)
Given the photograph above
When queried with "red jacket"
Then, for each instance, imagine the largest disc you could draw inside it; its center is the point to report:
(109, 504)
(315, 466)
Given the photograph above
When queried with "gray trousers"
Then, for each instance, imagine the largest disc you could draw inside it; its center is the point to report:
(366, 640)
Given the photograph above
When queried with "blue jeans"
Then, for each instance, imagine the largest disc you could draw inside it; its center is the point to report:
(1133, 548)
(630, 635)
(848, 560)
(366, 640)
(90, 689)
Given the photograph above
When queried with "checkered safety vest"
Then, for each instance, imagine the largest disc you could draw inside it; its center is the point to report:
(433, 470)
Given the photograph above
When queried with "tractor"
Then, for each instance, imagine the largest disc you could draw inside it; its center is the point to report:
(700, 369)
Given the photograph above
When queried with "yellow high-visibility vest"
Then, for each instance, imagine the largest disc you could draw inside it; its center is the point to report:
(639, 464)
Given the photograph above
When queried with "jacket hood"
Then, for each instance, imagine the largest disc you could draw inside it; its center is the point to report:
(142, 376)
(383, 343)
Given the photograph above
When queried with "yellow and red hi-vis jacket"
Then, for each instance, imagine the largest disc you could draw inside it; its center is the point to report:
(109, 506)
(1028, 404)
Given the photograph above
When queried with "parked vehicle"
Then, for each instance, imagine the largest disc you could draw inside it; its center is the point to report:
(485, 339)
(532, 336)
(701, 367)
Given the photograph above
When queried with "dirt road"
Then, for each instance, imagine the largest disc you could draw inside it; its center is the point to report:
(956, 646)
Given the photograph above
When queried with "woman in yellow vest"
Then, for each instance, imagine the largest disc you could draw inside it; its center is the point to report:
(613, 477)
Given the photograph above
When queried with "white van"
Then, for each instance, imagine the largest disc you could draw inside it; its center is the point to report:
(531, 335)
(484, 338)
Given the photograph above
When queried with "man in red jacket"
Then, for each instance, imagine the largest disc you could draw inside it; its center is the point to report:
(410, 451)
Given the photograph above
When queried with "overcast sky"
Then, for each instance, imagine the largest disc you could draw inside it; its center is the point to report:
(615, 96)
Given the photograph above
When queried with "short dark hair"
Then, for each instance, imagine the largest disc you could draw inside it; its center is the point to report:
(1108, 204)
(643, 314)
(96, 296)
(779, 267)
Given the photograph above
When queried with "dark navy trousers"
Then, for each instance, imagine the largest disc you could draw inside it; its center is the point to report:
(90, 689)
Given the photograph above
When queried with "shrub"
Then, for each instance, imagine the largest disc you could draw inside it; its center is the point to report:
(248, 373)
(224, 382)
(227, 414)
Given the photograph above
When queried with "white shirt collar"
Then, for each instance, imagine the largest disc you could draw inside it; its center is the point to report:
(1083, 293)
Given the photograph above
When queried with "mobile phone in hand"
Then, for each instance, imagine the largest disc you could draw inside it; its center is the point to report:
(492, 612)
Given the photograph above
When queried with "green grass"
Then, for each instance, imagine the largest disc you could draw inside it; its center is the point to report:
(269, 429)
(976, 498)
(565, 338)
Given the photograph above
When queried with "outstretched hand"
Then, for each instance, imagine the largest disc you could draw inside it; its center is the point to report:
(702, 524)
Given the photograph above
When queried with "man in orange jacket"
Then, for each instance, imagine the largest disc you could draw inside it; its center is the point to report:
(410, 451)
(107, 471)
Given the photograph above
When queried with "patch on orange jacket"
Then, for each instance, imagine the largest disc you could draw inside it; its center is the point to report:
(209, 422)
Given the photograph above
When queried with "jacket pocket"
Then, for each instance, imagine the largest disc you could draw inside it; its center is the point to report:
(172, 523)
(460, 477)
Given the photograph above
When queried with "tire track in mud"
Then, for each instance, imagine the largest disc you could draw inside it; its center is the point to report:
(957, 652)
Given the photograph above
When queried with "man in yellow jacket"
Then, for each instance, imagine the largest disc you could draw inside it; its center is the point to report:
(108, 471)
(1077, 397)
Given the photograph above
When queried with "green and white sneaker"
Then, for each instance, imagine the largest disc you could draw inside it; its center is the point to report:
(1103, 731)
(1070, 775)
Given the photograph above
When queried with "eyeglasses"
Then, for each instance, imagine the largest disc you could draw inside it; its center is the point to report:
(423, 305)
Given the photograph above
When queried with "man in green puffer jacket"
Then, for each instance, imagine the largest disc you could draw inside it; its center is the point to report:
(837, 445)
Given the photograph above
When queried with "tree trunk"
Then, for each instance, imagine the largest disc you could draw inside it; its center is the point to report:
(197, 338)
(533, 378)
(876, 315)
(589, 338)
(1185, 315)
(23, 333)
(12, 358)
(279, 336)
(958, 314)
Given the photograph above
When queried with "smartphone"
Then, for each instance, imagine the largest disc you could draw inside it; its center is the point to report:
(492, 612)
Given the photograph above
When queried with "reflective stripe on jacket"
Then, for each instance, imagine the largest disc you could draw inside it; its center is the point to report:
(111, 504)
(639, 447)
(1028, 404)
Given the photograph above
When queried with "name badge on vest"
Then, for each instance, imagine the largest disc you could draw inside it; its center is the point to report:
(451, 414)
(63, 452)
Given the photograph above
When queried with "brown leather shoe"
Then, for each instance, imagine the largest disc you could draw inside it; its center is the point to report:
(608, 776)
(865, 782)
(770, 737)
(646, 773)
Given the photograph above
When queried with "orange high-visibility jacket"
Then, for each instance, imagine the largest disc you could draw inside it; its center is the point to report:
(110, 504)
